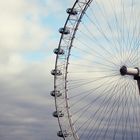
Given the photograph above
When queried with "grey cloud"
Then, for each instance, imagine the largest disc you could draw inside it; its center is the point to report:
(26, 106)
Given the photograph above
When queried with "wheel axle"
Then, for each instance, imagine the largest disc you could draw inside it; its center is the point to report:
(129, 71)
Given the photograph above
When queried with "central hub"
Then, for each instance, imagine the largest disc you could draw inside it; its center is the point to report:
(123, 70)
(129, 71)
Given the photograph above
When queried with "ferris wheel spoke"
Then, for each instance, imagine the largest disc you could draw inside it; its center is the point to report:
(91, 66)
(130, 120)
(81, 93)
(132, 31)
(99, 97)
(124, 125)
(94, 62)
(97, 70)
(105, 16)
(118, 121)
(115, 41)
(116, 24)
(96, 54)
(134, 50)
(93, 133)
(104, 84)
(126, 112)
(95, 40)
(92, 81)
(104, 103)
(108, 123)
(135, 110)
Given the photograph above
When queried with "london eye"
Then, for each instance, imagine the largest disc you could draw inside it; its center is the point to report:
(97, 71)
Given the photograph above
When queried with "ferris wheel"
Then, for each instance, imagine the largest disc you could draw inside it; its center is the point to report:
(97, 71)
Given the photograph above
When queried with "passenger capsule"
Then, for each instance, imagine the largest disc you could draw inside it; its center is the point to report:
(65, 31)
(56, 72)
(58, 114)
(58, 51)
(62, 134)
(72, 11)
(56, 93)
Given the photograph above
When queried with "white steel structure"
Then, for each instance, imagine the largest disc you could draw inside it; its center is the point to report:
(96, 74)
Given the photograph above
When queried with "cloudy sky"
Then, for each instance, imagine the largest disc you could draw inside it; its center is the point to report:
(28, 35)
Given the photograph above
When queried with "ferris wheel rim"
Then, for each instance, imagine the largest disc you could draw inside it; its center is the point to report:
(86, 4)
(56, 75)
(59, 46)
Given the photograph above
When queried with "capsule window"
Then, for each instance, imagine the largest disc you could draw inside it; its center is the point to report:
(64, 31)
(56, 72)
(58, 114)
(56, 93)
(62, 134)
(72, 11)
(58, 51)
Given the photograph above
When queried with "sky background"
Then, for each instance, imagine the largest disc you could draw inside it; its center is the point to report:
(28, 35)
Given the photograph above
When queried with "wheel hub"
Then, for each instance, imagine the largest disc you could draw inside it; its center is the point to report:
(131, 71)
